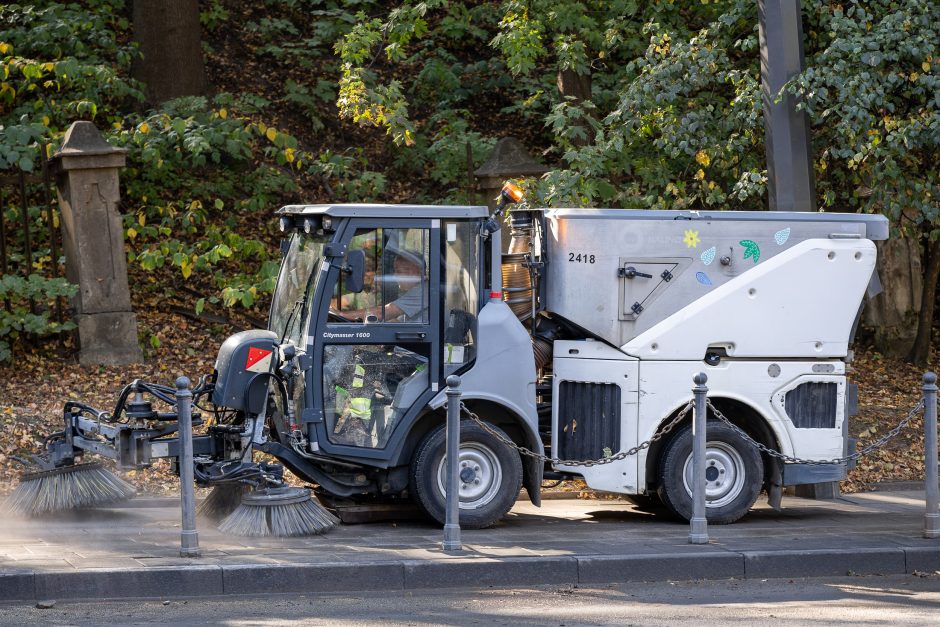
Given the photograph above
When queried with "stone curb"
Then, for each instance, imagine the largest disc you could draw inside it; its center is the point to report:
(708, 562)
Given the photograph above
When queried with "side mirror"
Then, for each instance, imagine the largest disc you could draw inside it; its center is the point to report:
(355, 271)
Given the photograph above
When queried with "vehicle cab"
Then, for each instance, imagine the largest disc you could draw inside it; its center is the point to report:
(383, 303)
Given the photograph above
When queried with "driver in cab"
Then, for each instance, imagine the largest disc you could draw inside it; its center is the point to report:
(412, 302)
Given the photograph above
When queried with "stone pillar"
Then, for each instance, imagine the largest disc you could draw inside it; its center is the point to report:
(509, 160)
(93, 241)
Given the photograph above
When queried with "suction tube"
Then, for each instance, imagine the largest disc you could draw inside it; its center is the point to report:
(518, 281)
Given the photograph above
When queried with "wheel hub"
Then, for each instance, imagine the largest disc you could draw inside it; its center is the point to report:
(479, 472)
(724, 474)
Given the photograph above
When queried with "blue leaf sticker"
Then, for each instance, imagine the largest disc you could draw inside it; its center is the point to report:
(702, 278)
(709, 256)
(782, 236)
(751, 249)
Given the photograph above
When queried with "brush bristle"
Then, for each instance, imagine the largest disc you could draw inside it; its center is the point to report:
(70, 487)
(222, 501)
(304, 518)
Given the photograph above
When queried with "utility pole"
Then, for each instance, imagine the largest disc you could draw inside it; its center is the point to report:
(790, 182)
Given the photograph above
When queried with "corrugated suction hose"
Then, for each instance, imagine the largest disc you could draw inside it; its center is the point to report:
(517, 281)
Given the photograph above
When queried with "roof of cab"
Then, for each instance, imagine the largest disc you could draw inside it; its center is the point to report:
(388, 211)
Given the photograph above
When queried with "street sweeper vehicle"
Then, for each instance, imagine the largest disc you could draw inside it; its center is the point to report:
(576, 352)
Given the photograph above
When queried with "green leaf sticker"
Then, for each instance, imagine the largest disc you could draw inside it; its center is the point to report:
(751, 249)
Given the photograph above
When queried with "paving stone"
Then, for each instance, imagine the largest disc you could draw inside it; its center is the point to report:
(923, 559)
(130, 583)
(824, 562)
(17, 586)
(483, 572)
(675, 567)
(311, 578)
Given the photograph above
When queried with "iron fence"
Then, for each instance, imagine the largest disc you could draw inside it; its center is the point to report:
(29, 225)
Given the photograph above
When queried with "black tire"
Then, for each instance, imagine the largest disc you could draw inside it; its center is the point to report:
(493, 469)
(734, 474)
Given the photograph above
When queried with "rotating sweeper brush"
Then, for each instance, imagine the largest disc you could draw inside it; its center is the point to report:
(67, 487)
(282, 512)
(232, 407)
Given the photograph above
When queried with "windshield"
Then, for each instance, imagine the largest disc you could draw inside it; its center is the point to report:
(298, 276)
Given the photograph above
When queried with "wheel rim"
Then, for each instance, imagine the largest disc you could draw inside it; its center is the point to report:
(724, 474)
(480, 475)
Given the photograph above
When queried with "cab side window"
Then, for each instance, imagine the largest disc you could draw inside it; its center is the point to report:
(396, 278)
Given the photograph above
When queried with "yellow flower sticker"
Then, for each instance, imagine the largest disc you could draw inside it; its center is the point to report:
(691, 239)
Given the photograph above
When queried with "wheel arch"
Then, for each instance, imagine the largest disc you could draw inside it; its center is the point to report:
(491, 410)
(741, 413)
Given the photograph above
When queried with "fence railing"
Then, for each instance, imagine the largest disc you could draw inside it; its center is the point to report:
(29, 224)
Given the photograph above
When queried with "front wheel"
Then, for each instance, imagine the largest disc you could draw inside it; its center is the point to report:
(490, 476)
(733, 474)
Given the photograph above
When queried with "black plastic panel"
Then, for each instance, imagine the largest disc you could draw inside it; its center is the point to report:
(589, 420)
(813, 405)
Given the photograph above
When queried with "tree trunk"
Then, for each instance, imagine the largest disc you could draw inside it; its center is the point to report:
(893, 313)
(170, 39)
(578, 88)
(920, 352)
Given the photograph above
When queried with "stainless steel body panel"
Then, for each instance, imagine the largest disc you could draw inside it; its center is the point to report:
(673, 256)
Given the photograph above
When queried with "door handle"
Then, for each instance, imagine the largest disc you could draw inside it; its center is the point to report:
(630, 272)
(414, 335)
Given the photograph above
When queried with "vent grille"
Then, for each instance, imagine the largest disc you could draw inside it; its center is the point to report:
(589, 419)
(812, 405)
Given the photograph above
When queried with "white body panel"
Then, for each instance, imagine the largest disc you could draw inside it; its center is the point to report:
(664, 386)
(595, 362)
(800, 303)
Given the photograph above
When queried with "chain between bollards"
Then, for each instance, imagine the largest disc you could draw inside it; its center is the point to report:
(932, 517)
(452, 499)
(698, 525)
(189, 537)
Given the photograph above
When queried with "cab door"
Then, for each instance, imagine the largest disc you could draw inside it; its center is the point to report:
(376, 353)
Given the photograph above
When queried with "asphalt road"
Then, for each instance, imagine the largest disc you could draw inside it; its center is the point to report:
(894, 600)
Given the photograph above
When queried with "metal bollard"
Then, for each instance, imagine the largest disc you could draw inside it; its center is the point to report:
(932, 517)
(698, 525)
(189, 537)
(452, 504)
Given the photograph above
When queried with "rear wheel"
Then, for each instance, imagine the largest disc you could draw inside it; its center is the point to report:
(733, 474)
(490, 476)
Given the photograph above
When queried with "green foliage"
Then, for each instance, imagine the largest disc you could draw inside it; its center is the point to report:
(59, 63)
(368, 100)
(873, 91)
(214, 16)
(310, 99)
(347, 177)
(17, 319)
(195, 174)
(373, 101)
(447, 153)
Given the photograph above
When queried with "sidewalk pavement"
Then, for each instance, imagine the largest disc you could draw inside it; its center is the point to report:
(133, 551)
